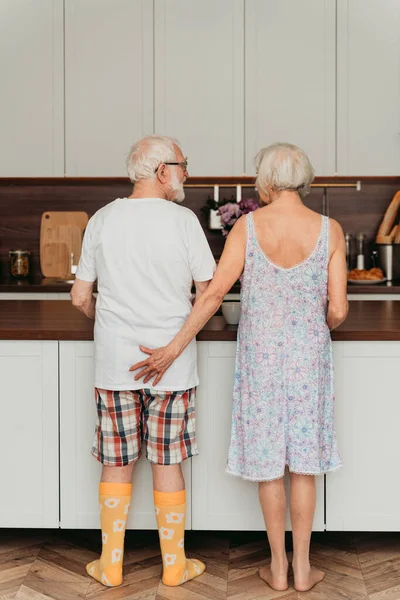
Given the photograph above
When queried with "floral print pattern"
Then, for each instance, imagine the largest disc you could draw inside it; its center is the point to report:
(174, 517)
(119, 525)
(116, 555)
(166, 534)
(112, 502)
(169, 559)
(283, 398)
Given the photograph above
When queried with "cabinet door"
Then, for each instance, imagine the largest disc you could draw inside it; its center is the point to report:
(80, 472)
(368, 87)
(199, 81)
(29, 434)
(365, 494)
(220, 501)
(32, 93)
(109, 82)
(290, 78)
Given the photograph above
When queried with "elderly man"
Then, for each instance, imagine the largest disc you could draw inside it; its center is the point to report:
(145, 251)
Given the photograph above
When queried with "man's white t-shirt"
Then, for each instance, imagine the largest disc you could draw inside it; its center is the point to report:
(145, 254)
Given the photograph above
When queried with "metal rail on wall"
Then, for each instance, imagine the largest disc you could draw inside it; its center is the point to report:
(324, 185)
(356, 185)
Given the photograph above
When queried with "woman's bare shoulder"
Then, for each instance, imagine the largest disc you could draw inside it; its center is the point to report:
(336, 234)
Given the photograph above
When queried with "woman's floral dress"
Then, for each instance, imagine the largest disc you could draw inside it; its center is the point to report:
(283, 398)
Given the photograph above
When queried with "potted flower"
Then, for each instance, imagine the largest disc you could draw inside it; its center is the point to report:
(231, 211)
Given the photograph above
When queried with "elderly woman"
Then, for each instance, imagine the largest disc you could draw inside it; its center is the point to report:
(290, 260)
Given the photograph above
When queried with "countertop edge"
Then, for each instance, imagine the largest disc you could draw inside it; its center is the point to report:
(54, 320)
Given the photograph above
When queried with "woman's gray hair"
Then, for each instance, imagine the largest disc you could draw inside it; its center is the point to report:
(147, 154)
(284, 167)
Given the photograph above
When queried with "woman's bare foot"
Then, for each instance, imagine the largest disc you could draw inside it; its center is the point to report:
(303, 582)
(276, 579)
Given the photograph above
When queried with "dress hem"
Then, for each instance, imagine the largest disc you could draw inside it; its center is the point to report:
(257, 480)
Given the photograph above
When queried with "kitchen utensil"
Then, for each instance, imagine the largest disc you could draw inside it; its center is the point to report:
(348, 239)
(214, 220)
(388, 220)
(231, 312)
(384, 239)
(374, 258)
(64, 228)
(19, 263)
(389, 259)
(360, 251)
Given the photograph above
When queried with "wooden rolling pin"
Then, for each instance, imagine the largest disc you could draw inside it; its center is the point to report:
(385, 231)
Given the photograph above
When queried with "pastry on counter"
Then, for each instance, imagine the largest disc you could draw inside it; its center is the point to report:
(374, 274)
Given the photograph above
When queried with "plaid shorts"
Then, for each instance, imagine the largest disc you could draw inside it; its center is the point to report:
(165, 421)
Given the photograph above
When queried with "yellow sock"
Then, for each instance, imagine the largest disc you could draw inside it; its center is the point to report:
(170, 511)
(114, 508)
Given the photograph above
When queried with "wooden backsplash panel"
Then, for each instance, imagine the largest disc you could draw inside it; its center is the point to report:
(22, 203)
(362, 211)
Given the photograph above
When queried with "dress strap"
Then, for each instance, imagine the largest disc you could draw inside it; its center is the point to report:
(326, 236)
(251, 232)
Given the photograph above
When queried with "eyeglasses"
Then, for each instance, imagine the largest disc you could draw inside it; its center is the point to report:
(183, 165)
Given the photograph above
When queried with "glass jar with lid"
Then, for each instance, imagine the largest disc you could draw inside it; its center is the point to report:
(19, 263)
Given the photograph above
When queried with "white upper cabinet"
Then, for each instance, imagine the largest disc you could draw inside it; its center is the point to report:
(81, 80)
(368, 87)
(290, 78)
(199, 81)
(31, 99)
(109, 82)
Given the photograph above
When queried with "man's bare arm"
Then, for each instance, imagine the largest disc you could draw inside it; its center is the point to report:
(82, 297)
(201, 287)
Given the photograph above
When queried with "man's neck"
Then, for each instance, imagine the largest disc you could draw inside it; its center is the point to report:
(144, 189)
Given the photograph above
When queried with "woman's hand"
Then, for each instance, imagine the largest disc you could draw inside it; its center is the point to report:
(159, 360)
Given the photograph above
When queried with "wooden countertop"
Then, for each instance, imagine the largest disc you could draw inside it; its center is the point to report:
(58, 320)
(47, 285)
(34, 285)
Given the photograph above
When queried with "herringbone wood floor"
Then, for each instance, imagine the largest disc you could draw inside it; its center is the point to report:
(51, 566)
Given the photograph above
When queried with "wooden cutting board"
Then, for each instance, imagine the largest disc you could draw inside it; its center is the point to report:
(61, 234)
(71, 236)
(55, 260)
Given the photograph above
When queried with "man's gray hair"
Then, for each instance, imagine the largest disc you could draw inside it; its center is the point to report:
(284, 167)
(147, 154)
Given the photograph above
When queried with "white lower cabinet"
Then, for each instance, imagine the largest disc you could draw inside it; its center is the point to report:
(365, 494)
(220, 501)
(80, 472)
(29, 434)
(48, 417)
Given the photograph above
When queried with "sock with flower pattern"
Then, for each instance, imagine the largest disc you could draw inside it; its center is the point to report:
(115, 500)
(170, 511)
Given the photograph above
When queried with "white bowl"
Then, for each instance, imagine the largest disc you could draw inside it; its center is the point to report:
(231, 312)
